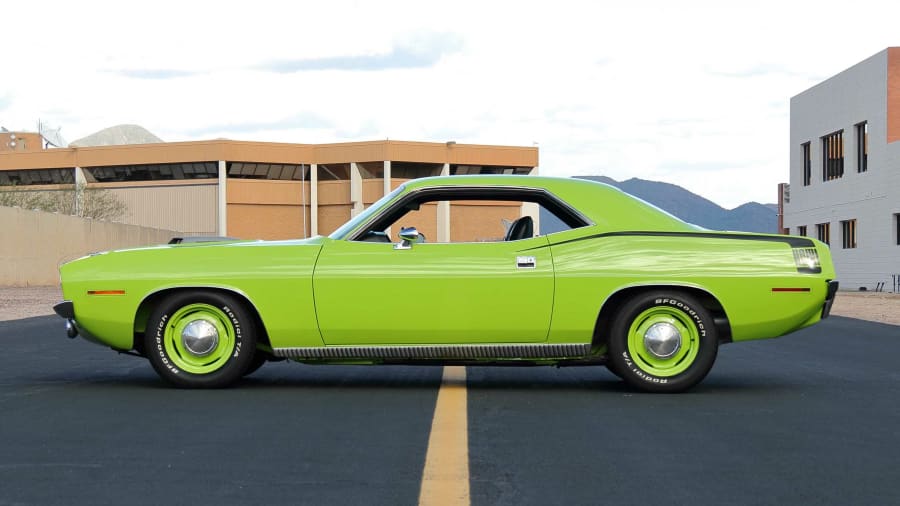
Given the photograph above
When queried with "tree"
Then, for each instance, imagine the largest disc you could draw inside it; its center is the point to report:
(76, 200)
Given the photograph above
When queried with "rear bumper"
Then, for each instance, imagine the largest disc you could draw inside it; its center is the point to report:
(829, 298)
(65, 309)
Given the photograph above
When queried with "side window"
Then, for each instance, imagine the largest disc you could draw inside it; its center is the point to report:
(481, 220)
(424, 219)
(473, 215)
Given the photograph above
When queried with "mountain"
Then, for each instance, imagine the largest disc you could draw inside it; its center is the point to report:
(118, 135)
(690, 207)
(751, 217)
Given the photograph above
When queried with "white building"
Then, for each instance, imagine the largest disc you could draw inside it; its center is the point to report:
(845, 170)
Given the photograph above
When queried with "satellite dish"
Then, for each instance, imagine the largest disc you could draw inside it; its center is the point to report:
(52, 136)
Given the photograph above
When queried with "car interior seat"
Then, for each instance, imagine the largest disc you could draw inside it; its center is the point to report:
(523, 228)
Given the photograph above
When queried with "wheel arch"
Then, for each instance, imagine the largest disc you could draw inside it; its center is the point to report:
(615, 301)
(145, 308)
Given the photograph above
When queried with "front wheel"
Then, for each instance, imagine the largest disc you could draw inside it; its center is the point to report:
(663, 342)
(200, 339)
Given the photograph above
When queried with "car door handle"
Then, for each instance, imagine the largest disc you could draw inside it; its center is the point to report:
(526, 262)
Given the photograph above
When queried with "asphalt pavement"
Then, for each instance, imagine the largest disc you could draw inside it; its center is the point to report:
(811, 418)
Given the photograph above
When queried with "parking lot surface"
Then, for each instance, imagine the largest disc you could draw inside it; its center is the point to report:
(811, 418)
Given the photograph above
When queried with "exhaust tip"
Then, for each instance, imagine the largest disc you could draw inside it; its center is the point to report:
(71, 329)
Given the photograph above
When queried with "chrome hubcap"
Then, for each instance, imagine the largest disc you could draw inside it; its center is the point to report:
(662, 340)
(200, 337)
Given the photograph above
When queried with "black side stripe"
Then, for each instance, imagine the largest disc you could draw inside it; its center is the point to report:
(794, 242)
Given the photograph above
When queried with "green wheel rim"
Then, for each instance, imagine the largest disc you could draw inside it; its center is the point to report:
(179, 354)
(681, 360)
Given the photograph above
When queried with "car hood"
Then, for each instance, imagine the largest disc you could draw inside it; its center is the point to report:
(210, 247)
(193, 260)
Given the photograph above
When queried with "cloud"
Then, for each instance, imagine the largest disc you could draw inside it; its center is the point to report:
(366, 130)
(297, 121)
(5, 101)
(695, 166)
(758, 70)
(422, 52)
(153, 73)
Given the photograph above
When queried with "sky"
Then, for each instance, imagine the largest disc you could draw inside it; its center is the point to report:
(695, 93)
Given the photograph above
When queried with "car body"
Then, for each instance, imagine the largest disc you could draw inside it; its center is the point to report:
(617, 282)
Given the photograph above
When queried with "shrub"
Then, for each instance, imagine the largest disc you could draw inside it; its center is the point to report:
(96, 203)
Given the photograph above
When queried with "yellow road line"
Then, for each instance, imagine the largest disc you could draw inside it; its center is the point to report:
(445, 480)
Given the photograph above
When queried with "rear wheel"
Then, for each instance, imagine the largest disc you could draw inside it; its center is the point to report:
(200, 339)
(611, 367)
(259, 359)
(662, 342)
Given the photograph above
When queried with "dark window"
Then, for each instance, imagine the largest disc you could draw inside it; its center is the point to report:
(411, 170)
(807, 164)
(833, 156)
(801, 230)
(897, 228)
(36, 176)
(848, 234)
(459, 170)
(823, 231)
(862, 146)
(274, 171)
(335, 172)
(151, 172)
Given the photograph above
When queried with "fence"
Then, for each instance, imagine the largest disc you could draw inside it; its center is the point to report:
(33, 244)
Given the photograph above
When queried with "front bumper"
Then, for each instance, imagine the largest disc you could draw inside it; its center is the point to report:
(829, 298)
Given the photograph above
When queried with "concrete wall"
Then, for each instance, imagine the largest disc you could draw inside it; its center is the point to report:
(20, 141)
(858, 94)
(334, 205)
(33, 244)
(186, 206)
(266, 209)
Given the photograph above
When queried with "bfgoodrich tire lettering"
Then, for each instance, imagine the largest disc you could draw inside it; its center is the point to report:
(684, 317)
(226, 318)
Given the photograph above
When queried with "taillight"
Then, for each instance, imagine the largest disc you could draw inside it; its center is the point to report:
(807, 260)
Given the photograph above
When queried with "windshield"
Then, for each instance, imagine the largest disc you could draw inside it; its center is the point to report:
(364, 216)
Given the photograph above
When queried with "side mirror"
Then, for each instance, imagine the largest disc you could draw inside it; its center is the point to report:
(408, 236)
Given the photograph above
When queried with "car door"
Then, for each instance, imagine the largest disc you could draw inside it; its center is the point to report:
(434, 293)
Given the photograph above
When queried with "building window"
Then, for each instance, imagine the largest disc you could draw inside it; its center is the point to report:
(807, 164)
(151, 172)
(848, 234)
(833, 156)
(897, 229)
(460, 170)
(274, 171)
(823, 231)
(410, 170)
(862, 146)
(36, 177)
(801, 230)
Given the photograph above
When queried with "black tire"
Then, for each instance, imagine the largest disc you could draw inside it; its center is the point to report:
(259, 359)
(232, 349)
(694, 331)
(612, 368)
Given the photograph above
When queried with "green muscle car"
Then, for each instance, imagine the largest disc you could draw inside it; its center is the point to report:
(603, 279)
